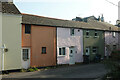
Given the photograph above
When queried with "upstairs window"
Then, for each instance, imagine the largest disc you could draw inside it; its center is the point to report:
(72, 32)
(62, 51)
(96, 34)
(87, 33)
(27, 29)
(113, 34)
(43, 50)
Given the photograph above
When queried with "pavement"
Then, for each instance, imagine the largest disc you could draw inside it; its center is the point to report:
(95, 71)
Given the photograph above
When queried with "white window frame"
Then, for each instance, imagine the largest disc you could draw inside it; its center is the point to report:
(87, 48)
(113, 34)
(97, 34)
(28, 54)
(62, 51)
(71, 31)
(88, 33)
(94, 49)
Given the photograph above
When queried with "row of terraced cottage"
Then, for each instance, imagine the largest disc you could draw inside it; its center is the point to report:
(36, 41)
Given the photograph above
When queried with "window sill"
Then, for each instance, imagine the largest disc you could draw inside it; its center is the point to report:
(27, 34)
(25, 59)
(93, 53)
(43, 53)
(87, 36)
(61, 55)
(96, 36)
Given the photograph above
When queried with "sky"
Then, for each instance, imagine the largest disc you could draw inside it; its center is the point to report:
(69, 9)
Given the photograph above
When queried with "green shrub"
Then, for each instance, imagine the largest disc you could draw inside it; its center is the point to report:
(113, 66)
(115, 55)
(36, 69)
(23, 70)
(31, 70)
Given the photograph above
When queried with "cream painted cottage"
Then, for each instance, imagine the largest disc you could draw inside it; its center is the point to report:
(10, 36)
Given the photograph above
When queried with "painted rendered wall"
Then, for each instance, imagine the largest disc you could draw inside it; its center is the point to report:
(41, 36)
(91, 42)
(110, 40)
(11, 37)
(0, 40)
(64, 39)
(26, 38)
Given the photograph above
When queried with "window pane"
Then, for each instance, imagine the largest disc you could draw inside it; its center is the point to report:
(71, 51)
(27, 29)
(96, 34)
(25, 54)
(59, 51)
(87, 33)
(86, 50)
(94, 49)
(63, 51)
(71, 31)
(43, 50)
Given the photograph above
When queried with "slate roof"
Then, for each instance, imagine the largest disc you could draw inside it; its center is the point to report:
(40, 20)
(90, 17)
(102, 25)
(119, 29)
(8, 7)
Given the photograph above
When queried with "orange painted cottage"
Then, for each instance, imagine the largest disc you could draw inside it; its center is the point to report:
(38, 42)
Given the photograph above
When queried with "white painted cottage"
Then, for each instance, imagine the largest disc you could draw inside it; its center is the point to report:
(111, 42)
(69, 45)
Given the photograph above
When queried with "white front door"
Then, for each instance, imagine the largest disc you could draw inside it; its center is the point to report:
(25, 58)
(71, 55)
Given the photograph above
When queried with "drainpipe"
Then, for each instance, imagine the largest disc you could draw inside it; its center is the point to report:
(3, 47)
